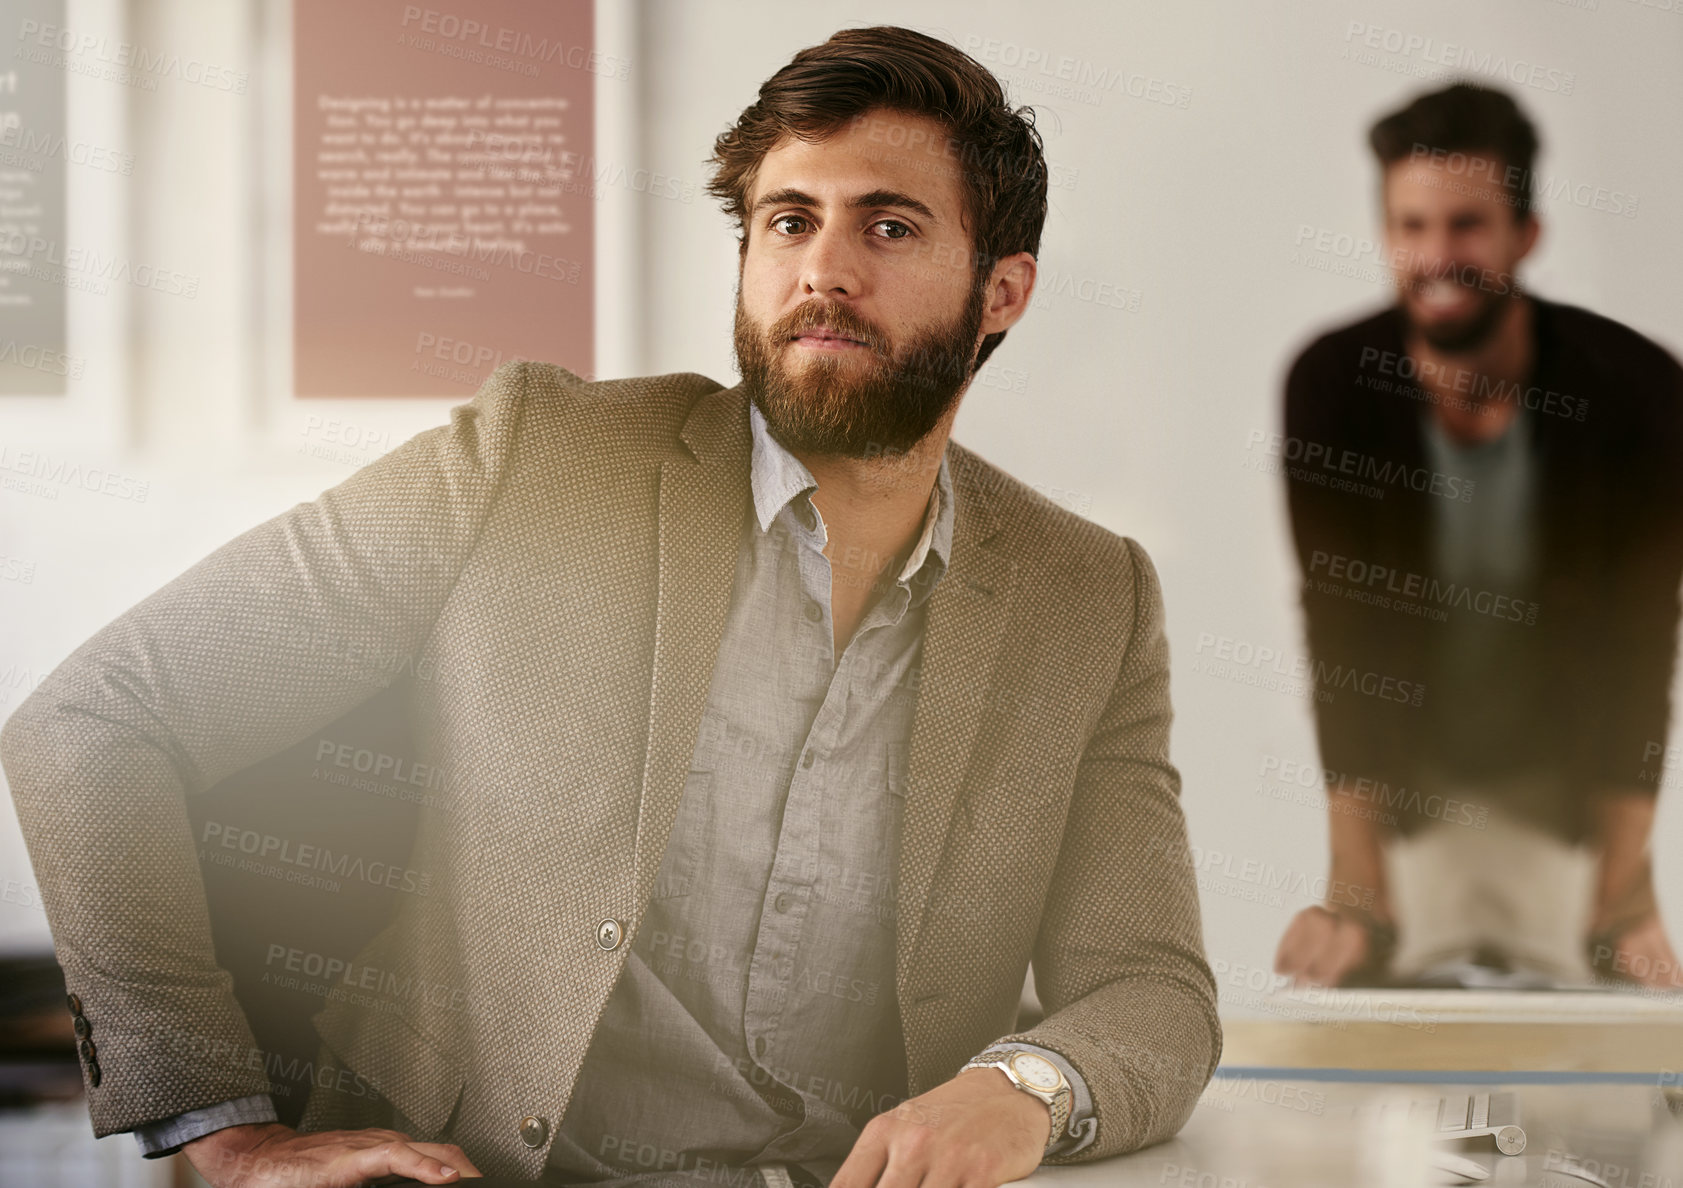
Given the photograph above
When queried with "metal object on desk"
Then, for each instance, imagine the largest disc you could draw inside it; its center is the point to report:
(1457, 1116)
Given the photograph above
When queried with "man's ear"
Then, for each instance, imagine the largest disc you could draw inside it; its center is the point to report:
(1009, 288)
(1529, 232)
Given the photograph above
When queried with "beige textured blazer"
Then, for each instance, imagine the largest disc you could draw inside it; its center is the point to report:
(557, 562)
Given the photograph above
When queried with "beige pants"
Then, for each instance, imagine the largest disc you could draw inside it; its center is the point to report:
(1456, 889)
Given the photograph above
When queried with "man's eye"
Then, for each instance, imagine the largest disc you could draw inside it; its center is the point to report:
(892, 228)
(781, 224)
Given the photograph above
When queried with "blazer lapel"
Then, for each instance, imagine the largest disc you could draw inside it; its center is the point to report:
(968, 613)
(704, 497)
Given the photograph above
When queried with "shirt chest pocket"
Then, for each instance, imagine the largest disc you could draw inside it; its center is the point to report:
(860, 830)
(685, 859)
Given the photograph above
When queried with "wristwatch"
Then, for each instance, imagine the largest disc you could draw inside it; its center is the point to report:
(1036, 1076)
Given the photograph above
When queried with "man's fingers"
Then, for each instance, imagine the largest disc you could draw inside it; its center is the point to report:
(865, 1162)
(1288, 958)
(396, 1158)
(1304, 938)
(1341, 952)
(451, 1155)
(902, 1171)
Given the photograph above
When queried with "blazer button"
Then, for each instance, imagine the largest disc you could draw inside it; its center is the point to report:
(533, 1131)
(74, 1002)
(82, 1027)
(94, 1075)
(609, 934)
(86, 1047)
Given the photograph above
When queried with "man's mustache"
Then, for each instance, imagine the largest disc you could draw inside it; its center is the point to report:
(832, 315)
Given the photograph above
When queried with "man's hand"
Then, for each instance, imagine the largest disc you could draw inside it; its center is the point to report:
(1321, 948)
(1628, 938)
(978, 1130)
(269, 1155)
(1643, 954)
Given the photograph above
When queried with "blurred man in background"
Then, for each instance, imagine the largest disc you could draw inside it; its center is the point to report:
(1484, 489)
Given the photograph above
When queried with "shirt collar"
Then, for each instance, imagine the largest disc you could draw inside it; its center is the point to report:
(778, 479)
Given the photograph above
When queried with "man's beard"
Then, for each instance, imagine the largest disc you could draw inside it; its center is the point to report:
(847, 406)
(1465, 334)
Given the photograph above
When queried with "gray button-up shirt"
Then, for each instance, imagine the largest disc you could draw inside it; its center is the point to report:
(755, 1021)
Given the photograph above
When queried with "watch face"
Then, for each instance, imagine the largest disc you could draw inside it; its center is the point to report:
(1036, 1071)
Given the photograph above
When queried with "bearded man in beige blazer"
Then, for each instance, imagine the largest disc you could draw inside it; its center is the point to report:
(780, 736)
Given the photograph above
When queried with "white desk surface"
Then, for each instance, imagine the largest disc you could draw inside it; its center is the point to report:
(1422, 1030)
(1267, 1133)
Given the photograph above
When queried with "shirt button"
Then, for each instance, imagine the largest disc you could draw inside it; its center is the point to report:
(806, 759)
(533, 1131)
(814, 612)
(759, 1045)
(781, 903)
(609, 934)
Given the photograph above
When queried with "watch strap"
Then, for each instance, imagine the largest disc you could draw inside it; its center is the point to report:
(1059, 1101)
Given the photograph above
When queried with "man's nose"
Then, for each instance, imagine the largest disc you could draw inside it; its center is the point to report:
(1436, 249)
(831, 265)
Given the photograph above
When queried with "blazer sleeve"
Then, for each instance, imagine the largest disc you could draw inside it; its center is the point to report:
(1119, 961)
(1356, 735)
(1630, 642)
(272, 636)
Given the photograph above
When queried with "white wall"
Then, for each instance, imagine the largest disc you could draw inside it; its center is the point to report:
(1198, 208)
(1141, 415)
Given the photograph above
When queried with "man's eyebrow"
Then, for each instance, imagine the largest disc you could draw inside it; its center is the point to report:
(894, 198)
(792, 197)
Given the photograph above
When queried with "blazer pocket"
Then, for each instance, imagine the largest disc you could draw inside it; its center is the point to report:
(387, 1059)
(687, 846)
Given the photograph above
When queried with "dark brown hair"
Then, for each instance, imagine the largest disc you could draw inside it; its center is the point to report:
(1464, 118)
(998, 149)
